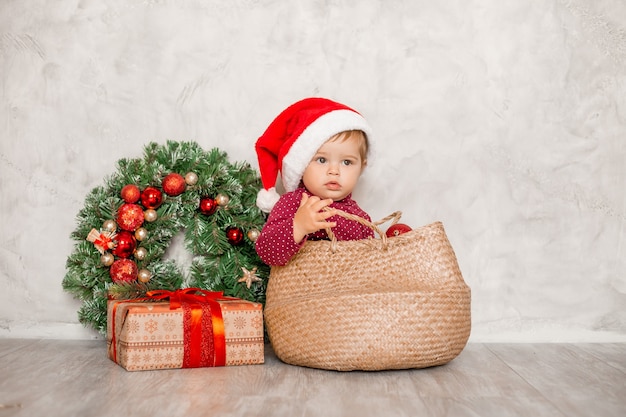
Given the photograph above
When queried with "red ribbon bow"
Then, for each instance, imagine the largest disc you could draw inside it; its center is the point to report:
(189, 295)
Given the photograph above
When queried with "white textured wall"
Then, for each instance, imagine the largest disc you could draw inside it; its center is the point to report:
(506, 120)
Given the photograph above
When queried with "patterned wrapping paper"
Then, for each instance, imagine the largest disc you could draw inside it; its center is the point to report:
(150, 335)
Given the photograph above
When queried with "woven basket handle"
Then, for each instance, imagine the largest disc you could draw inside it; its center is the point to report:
(394, 217)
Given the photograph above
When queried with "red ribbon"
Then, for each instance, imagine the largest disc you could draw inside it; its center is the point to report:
(204, 337)
(203, 325)
(103, 241)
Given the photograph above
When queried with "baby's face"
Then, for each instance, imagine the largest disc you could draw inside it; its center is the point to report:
(335, 169)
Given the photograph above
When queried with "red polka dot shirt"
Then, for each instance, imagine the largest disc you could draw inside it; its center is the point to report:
(275, 244)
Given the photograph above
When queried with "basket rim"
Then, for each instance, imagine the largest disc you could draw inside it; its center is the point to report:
(372, 243)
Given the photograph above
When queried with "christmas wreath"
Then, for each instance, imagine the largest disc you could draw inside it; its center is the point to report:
(128, 223)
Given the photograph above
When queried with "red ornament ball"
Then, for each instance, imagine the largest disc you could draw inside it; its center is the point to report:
(130, 193)
(397, 229)
(174, 184)
(234, 235)
(123, 270)
(130, 217)
(151, 197)
(208, 206)
(125, 244)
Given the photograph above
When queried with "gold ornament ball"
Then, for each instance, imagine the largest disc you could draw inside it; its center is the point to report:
(109, 226)
(253, 234)
(141, 234)
(222, 199)
(141, 253)
(191, 178)
(107, 259)
(150, 215)
(144, 275)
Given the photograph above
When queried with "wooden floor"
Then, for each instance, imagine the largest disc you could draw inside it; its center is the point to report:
(75, 378)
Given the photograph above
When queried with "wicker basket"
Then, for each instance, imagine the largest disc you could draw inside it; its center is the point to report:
(385, 303)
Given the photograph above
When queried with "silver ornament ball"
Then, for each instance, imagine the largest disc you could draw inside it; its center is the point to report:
(107, 259)
(109, 226)
(191, 178)
(150, 215)
(144, 275)
(222, 199)
(141, 234)
(141, 253)
(253, 234)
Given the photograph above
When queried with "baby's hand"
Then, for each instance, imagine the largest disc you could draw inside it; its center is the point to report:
(310, 218)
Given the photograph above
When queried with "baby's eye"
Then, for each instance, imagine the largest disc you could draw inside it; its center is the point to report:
(321, 159)
(347, 162)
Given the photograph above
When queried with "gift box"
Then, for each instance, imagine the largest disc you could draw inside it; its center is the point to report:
(184, 329)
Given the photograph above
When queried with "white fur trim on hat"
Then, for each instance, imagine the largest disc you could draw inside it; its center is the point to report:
(267, 199)
(313, 137)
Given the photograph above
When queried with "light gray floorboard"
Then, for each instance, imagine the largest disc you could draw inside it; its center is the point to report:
(613, 354)
(75, 378)
(576, 381)
(9, 345)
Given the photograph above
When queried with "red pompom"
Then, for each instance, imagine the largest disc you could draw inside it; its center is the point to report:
(397, 229)
(174, 184)
(123, 270)
(130, 217)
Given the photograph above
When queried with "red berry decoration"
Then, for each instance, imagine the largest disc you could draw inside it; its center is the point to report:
(151, 197)
(126, 244)
(174, 184)
(234, 235)
(130, 193)
(208, 206)
(123, 270)
(130, 217)
(397, 229)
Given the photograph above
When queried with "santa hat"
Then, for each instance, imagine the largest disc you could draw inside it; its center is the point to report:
(292, 139)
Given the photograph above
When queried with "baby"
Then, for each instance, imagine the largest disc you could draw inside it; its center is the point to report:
(320, 148)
